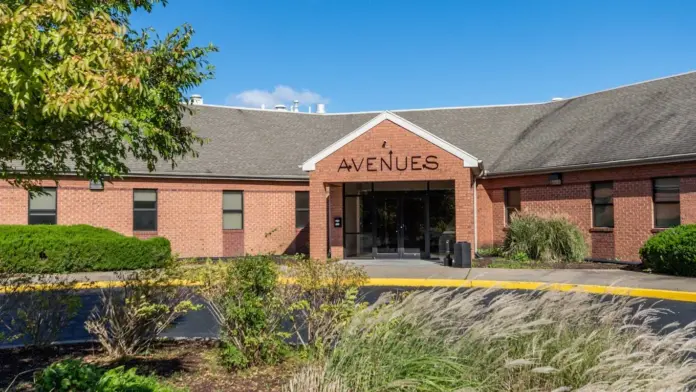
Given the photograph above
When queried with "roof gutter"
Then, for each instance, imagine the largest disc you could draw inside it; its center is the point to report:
(196, 176)
(591, 166)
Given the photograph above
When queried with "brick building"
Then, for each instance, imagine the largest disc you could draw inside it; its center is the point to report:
(620, 163)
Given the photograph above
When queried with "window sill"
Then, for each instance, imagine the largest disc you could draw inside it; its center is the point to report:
(233, 230)
(602, 230)
(659, 229)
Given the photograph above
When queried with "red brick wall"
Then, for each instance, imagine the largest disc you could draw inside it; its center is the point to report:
(402, 143)
(189, 213)
(633, 208)
(484, 217)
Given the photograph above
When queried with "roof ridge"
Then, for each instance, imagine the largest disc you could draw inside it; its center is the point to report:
(454, 107)
(630, 85)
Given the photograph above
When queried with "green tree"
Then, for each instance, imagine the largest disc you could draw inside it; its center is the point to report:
(82, 92)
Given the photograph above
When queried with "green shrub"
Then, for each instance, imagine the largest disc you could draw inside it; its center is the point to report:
(243, 297)
(76, 376)
(544, 238)
(78, 248)
(672, 252)
(128, 320)
(68, 375)
(322, 297)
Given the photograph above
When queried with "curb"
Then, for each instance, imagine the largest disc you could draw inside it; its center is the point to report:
(672, 295)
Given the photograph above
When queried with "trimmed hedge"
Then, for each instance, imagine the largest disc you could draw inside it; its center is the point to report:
(672, 251)
(78, 248)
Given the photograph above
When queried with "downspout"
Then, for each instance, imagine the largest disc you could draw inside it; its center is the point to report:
(481, 172)
(328, 221)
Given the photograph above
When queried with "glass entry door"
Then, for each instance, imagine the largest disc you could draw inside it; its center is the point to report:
(388, 226)
(400, 229)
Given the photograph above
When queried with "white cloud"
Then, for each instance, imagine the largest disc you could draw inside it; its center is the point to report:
(280, 95)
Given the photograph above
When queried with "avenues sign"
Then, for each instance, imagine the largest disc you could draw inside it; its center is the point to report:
(391, 163)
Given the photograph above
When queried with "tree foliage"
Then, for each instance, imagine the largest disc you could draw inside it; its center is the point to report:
(82, 92)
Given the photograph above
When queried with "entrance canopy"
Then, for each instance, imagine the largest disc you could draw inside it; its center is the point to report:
(468, 160)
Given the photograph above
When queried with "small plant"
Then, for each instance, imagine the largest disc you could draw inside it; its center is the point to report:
(243, 298)
(519, 256)
(491, 251)
(544, 238)
(121, 380)
(322, 296)
(44, 310)
(672, 251)
(128, 320)
(77, 376)
(67, 376)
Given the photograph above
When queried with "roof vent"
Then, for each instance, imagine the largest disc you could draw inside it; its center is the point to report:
(281, 108)
(196, 99)
(556, 99)
(321, 108)
(295, 106)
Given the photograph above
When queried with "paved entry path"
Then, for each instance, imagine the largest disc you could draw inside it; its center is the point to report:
(420, 269)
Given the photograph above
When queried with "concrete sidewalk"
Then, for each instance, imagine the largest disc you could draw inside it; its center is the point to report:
(398, 269)
(383, 270)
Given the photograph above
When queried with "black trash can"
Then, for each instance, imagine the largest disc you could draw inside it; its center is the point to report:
(462, 255)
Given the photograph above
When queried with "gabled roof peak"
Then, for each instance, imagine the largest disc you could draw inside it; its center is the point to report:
(468, 160)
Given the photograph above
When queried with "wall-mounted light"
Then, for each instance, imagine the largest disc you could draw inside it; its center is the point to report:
(96, 185)
(555, 179)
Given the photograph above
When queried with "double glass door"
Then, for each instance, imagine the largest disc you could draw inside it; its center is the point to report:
(400, 225)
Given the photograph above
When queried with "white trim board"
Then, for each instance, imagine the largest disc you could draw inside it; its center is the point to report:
(468, 160)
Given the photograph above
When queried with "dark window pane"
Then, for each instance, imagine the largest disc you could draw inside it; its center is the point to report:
(667, 183)
(145, 220)
(603, 192)
(358, 245)
(666, 196)
(38, 218)
(513, 198)
(358, 214)
(667, 215)
(147, 205)
(442, 211)
(666, 189)
(302, 200)
(301, 219)
(357, 188)
(603, 216)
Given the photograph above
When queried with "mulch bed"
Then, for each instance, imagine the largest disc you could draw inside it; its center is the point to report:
(493, 263)
(184, 364)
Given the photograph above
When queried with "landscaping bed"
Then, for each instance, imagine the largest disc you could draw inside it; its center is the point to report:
(514, 264)
(184, 364)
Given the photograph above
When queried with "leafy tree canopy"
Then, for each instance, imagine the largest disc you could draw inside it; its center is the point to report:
(81, 91)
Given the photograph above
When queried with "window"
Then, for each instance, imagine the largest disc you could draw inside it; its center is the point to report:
(145, 209)
(42, 207)
(232, 210)
(666, 202)
(603, 204)
(301, 209)
(513, 203)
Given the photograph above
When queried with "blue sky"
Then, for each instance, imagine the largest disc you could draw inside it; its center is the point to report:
(382, 54)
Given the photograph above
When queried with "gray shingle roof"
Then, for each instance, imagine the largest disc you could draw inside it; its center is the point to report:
(642, 121)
